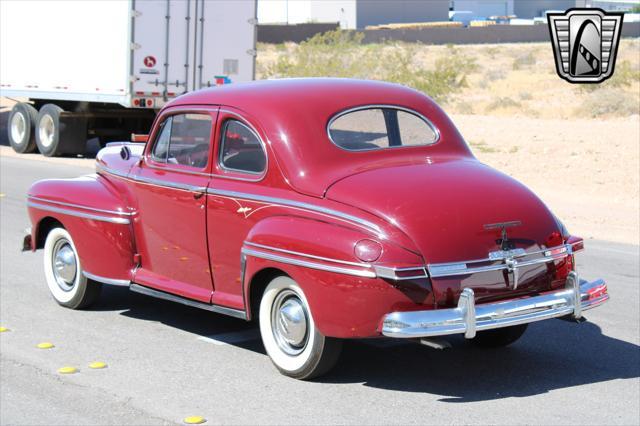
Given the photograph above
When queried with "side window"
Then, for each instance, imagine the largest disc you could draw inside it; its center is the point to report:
(240, 149)
(161, 148)
(184, 139)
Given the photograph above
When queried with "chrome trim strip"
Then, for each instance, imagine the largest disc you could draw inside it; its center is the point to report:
(437, 270)
(246, 196)
(105, 280)
(152, 181)
(117, 213)
(468, 318)
(174, 170)
(379, 271)
(167, 184)
(292, 203)
(311, 256)
(189, 302)
(307, 264)
(117, 220)
(391, 273)
(428, 122)
(100, 167)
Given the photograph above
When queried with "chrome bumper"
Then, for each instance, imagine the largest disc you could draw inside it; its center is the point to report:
(468, 318)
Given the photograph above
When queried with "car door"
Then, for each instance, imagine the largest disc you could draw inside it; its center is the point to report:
(240, 167)
(170, 185)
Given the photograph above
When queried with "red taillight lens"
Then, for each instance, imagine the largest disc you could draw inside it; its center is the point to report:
(576, 243)
(368, 250)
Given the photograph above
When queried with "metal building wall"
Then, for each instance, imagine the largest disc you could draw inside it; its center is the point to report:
(375, 12)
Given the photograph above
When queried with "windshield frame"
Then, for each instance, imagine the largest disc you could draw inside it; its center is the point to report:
(428, 122)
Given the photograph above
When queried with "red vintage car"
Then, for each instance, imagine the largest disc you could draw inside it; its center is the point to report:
(324, 209)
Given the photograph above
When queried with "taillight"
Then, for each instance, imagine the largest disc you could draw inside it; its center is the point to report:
(576, 243)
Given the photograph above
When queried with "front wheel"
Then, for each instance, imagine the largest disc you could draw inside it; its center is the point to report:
(289, 334)
(63, 272)
(499, 337)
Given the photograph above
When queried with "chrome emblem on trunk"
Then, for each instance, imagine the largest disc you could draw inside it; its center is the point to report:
(507, 250)
(505, 244)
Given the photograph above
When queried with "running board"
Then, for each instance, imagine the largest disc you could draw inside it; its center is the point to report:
(174, 298)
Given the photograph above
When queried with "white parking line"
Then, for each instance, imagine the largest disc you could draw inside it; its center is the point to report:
(232, 338)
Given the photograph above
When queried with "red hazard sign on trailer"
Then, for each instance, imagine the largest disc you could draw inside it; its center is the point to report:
(150, 61)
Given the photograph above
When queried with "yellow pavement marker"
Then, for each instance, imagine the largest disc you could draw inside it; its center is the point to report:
(3, 329)
(67, 370)
(194, 420)
(97, 365)
(45, 345)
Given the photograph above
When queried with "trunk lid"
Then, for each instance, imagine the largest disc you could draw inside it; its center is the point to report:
(444, 206)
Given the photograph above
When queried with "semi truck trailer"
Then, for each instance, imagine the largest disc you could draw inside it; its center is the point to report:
(103, 68)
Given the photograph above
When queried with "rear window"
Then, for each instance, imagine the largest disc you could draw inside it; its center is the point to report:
(380, 127)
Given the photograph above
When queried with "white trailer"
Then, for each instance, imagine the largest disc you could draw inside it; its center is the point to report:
(102, 68)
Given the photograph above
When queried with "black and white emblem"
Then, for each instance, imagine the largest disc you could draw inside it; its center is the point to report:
(585, 43)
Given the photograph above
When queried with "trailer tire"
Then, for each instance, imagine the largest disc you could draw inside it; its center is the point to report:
(20, 128)
(48, 130)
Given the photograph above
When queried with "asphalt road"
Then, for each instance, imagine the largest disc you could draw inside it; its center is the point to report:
(167, 361)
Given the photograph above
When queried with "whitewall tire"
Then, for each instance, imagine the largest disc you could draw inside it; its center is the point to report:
(63, 272)
(289, 334)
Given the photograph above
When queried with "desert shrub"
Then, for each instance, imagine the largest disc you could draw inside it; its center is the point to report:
(495, 75)
(493, 51)
(525, 96)
(502, 102)
(624, 75)
(342, 54)
(463, 107)
(483, 147)
(524, 60)
(609, 102)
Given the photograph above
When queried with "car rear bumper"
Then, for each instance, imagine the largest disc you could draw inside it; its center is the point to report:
(468, 318)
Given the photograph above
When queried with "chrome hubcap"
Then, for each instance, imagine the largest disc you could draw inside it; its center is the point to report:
(65, 265)
(46, 130)
(18, 127)
(289, 323)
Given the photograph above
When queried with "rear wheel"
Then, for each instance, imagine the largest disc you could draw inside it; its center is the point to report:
(63, 272)
(499, 337)
(48, 130)
(20, 128)
(289, 334)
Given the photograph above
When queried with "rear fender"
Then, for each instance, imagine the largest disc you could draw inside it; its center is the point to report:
(345, 296)
(97, 216)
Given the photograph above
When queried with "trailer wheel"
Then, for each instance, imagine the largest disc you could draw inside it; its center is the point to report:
(21, 132)
(48, 130)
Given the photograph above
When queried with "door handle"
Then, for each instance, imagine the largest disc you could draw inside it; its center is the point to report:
(198, 195)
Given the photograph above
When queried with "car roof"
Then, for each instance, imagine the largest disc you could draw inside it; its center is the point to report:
(293, 115)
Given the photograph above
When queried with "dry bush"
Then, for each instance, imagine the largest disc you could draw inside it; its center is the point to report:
(502, 102)
(342, 54)
(524, 60)
(609, 102)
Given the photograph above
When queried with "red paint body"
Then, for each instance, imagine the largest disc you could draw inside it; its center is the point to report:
(423, 204)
